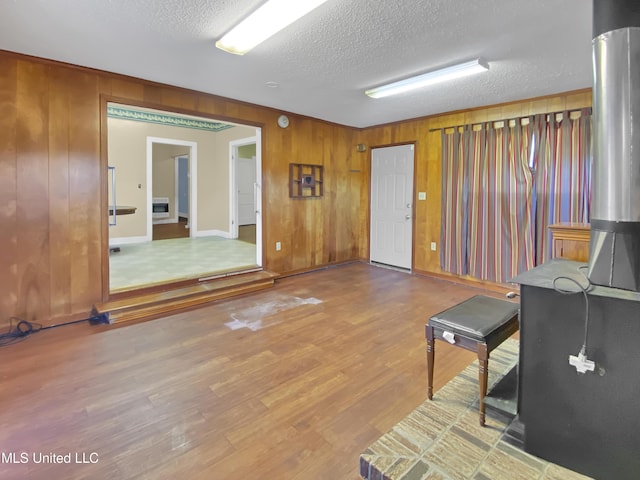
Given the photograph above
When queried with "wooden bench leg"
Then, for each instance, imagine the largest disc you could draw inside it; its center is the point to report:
(430, 358)
(483, 360)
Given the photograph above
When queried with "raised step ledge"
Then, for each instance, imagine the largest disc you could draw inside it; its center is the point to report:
(153, 305)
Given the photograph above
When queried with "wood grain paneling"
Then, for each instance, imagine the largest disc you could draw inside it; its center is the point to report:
(85, 207)
(32, 191)
(428, 172)
(8, 189)
(59, 195)
(54, 240)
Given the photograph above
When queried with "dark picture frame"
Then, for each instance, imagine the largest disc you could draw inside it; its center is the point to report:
(306, 180)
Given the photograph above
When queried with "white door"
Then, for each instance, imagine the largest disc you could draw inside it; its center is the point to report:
(246, 179)
(183, 186)
(392, 205)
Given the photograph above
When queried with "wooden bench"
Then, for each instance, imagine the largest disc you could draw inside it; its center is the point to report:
(478, 324)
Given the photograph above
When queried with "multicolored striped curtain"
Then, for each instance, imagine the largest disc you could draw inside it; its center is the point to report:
(501, 243)
(562, 164)
(453, 240)
(503, 187)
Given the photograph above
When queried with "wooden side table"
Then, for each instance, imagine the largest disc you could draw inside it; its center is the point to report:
(571, 241)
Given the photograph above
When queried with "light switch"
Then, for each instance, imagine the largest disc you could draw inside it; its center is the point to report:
(422, 195)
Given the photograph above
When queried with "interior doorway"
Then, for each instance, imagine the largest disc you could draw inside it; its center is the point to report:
(178, 225)
(195, 190)
(171, 167)
(182, 186)
(245, 190)
(245, 185)
(391, 231)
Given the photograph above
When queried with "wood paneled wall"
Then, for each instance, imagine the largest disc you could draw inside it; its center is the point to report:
(53, 234)
(428, 172)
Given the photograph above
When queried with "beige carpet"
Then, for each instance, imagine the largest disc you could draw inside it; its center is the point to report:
(442, 439)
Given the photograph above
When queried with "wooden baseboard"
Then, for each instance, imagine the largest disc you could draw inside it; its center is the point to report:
(467, 281)
(471, 282)
(301, 271)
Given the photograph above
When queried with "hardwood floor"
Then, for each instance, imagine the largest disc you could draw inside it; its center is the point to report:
(247, 233)
(164, 231)
(290, 383)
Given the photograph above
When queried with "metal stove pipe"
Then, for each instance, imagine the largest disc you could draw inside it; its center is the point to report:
(615, 209)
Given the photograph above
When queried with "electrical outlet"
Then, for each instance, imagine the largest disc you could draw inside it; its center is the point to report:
(422, 195)
(278, 246)
(433, 246)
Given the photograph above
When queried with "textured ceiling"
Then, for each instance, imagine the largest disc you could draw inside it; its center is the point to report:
(323, 62)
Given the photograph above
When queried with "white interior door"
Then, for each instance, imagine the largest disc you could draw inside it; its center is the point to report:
(392, 205)
(246, 180)
(255, 184)
(182, 189)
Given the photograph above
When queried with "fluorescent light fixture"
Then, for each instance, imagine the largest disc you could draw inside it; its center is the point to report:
(267, 20)
(456, 71)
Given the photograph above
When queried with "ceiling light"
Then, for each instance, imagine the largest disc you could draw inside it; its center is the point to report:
(456, 71)
(270, 18)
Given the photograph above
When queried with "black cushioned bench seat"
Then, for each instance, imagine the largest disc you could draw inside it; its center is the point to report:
(476, 317)
(479, 324)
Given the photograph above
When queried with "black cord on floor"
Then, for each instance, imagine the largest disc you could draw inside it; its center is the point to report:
(20, 329)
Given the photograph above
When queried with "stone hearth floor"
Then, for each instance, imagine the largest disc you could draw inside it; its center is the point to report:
(442, 439)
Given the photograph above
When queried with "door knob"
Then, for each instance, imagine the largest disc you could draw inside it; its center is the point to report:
(408, 216)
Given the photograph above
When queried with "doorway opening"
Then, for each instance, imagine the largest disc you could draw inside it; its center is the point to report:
(175, 222)
(185, 167)
(245, 205)
(182, 176)
(172, 162)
